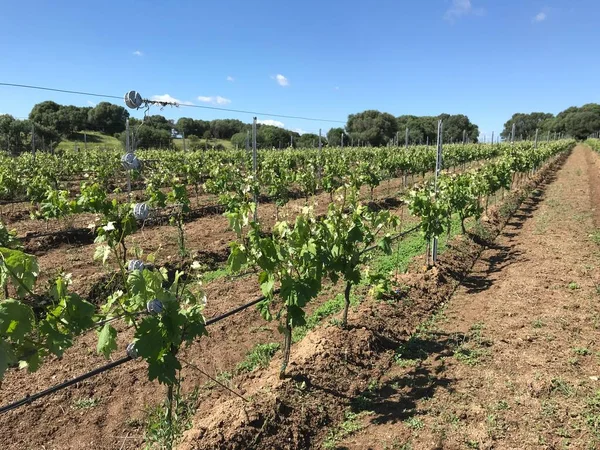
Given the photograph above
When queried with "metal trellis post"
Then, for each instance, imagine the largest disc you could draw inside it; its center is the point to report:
(438, 168)
(254, 168)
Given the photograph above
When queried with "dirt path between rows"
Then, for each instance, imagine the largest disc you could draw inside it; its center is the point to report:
(511, 362)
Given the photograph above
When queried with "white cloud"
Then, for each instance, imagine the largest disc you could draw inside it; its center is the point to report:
(230, 78)
(168, 98)
(215, 100)
(300, 131)
(281, 80)
(275, 123)
(138, 53)
(337, 88)
(462, 8)
(540, 17)
(91, 103)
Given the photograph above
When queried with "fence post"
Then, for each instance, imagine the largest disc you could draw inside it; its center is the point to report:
(128, 150)
(406, 139)
(438, 168)
(512, 134)
(33, 140)
(254, 168)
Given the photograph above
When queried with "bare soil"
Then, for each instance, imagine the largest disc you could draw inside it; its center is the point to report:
(511, 362)
(335, 374)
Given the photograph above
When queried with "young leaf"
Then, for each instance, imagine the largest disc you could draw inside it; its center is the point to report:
(107, 340)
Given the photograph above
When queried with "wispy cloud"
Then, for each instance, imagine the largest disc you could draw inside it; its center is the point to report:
(461, 8)
(168, 98)
(230, 78)
(215, 100)
(275, 123)
(337, 88)
(138, 53)
(281, 80)
(540, 17)
(91, 103)
(300, 131)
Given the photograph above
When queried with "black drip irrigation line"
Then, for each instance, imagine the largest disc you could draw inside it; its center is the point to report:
(58, 387)
(30, 398)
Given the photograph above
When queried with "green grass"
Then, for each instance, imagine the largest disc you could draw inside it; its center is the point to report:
(414, 423)
(409, 247)
(349, 426)
(224, 142)
(213, 275)
(259, 356)
(327, 309)
(159, 432)
(85, 403)
(95, 140)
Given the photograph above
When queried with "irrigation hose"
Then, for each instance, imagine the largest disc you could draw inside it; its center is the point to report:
(30, 398)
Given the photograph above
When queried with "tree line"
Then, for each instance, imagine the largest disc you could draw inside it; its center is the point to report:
(52, 122)
(575, 122)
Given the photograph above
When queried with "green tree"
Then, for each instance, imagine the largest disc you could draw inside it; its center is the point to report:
(45, 114)
(334, 137)
(108, 118)
(225, 128)
(269, 136)
(420, 129)
(526, 124)
(159, 122)
(309, 140)
(578, 123)
(372, 127)
(455, 125)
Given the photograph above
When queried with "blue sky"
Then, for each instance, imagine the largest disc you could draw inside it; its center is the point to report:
(325, 59)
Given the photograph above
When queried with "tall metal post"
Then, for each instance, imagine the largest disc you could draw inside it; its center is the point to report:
(127, 136)
(536, 137)
(406, 139)
(254, 168)
(33, 140)
(320, 159)
(512, 134)
(128, 150)
(438, 169)
(492, 138)
(464, 137)
(291, 140)
(342, 139)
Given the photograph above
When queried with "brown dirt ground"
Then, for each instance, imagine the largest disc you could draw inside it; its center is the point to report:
(512, 361)
(124, 394)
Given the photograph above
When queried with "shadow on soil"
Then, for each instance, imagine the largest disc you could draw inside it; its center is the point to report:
(397, 398)
(505, 255)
